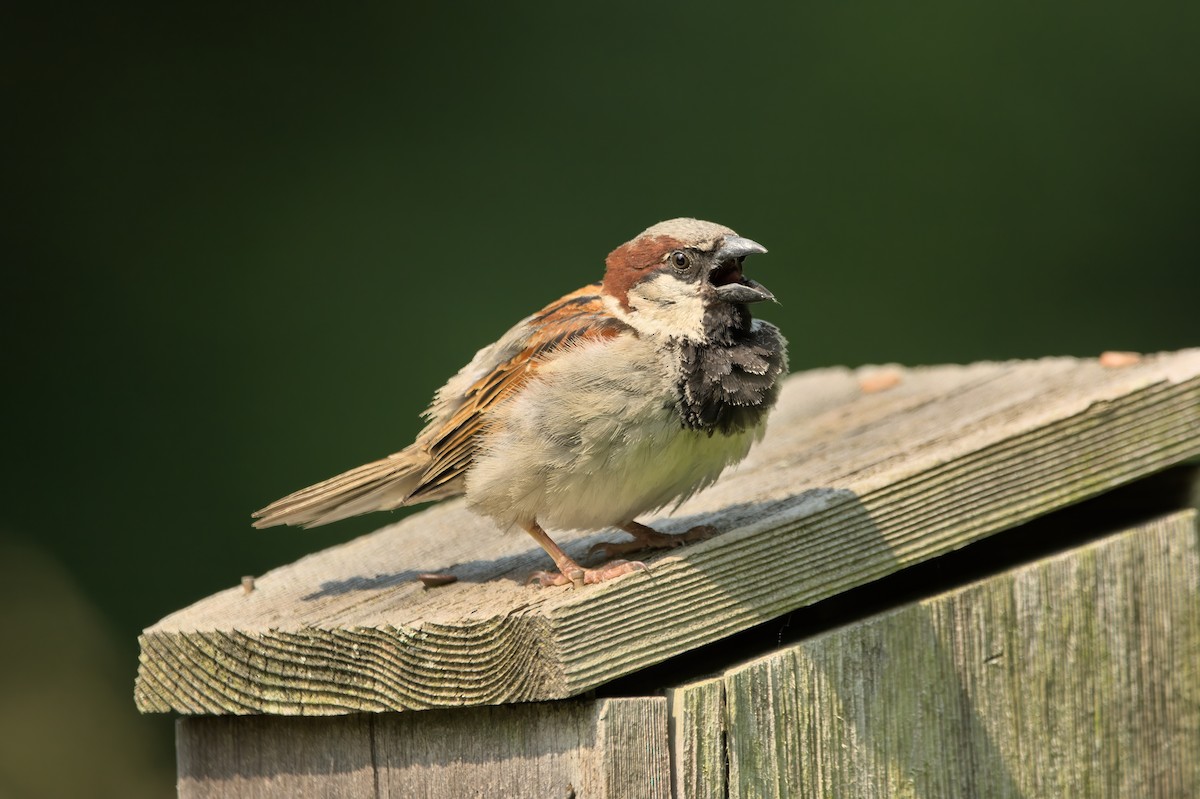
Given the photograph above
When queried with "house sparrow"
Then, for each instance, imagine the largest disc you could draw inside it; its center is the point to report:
(618, 399)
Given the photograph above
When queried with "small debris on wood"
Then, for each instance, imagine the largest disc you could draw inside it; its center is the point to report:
(431, 580)
(873, 381)
(248, 584)
(1114, 359)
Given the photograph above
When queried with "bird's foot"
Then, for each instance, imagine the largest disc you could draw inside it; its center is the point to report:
(648, 538)
(579, 576)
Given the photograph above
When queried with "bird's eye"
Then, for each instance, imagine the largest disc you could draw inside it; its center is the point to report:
(680, 259)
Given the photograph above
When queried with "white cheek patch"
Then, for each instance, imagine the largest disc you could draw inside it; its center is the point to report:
(666, 306)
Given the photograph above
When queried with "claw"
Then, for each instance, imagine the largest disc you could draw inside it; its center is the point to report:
(648, 538)
(577, 578)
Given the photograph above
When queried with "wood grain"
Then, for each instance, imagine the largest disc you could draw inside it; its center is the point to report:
(632, 750)
(1074, 676)
(847, 487)
(264, 757)
(697, 730)
(610, 749)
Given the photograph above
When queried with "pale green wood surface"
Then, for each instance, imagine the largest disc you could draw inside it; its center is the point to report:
(697, 727)
(606, 749)
(846, 488)
(1075, 676)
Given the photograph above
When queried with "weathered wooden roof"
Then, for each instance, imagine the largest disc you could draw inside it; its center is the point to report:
(1073, 674)
(849, 486)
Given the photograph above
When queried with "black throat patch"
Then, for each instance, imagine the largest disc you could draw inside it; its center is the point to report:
(730, 381)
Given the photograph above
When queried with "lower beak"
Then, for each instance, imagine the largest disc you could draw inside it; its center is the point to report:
(744, 292)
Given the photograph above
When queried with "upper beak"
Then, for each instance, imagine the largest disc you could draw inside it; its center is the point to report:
(731, 285)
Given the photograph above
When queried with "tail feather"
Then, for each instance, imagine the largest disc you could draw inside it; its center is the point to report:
(380, 485)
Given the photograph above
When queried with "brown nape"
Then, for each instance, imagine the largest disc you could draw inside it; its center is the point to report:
(628, 263)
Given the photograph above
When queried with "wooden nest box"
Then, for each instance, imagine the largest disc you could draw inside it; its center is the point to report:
(947, 581)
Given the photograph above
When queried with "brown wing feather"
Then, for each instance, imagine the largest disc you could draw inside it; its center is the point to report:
(452, 443)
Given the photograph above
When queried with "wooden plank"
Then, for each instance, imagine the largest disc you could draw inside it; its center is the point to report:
(263, 758)
(632, 748)
(697, 730)
(538, 750)
(1074, 676)
(847, 487)
(612, 749)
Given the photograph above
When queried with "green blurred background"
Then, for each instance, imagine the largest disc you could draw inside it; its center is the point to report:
(245, 244)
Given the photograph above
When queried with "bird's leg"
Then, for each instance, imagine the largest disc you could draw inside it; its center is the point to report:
(570, 572)
(648, 538)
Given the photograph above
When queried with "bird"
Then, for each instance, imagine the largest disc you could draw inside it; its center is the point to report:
(616, 400)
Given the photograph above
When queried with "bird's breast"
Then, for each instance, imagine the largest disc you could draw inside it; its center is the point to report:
(597, 439)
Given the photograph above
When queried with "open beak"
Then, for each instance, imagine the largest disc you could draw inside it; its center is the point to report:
(726, 275)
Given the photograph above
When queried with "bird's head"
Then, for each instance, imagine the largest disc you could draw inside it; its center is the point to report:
(677, 277)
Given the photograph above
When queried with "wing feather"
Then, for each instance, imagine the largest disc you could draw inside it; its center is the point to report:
(453, 435)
